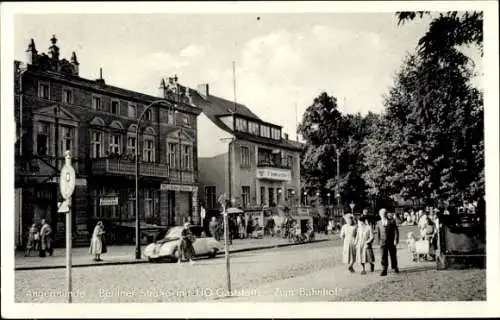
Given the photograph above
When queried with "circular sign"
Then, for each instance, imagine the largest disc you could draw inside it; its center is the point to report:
(67, 181)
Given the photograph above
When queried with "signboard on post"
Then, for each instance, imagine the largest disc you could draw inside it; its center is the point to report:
(67, 187)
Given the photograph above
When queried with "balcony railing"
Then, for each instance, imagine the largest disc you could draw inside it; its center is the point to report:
(127, 167)
(272, 164)
(181, 176)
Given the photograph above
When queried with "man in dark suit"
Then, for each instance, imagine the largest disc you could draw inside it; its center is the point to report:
(388, 239)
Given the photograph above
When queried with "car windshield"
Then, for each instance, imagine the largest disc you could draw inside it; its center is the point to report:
(174, 233)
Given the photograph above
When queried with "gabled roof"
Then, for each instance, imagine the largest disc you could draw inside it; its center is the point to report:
(214, 107)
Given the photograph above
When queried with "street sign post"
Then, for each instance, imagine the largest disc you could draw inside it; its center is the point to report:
(222, 201)
(67, 187)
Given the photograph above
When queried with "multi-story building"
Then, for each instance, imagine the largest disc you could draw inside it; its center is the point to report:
(250, 160)
(57, 110)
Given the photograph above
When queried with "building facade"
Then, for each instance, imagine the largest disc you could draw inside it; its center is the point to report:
(250, 160)
(57, 110)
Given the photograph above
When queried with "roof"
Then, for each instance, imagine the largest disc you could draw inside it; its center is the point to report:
(215, 107)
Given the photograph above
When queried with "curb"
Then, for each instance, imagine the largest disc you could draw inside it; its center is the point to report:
(114, 263)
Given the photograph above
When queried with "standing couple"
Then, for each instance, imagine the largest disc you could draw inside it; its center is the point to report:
(358, 242)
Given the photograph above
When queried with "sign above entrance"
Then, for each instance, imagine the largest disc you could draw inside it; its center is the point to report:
(177, 187)
(108, 201)
(274, 174)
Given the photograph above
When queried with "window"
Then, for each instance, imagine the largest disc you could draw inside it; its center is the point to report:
(276, 134)
(241, 125)
(43, 139)
(172, 155)
(245, 156)
(148, 203)
(96, 103)
(266, 157)
(271, 196)
(186, 121)
(265, 132)
(132, 111)
(115, 141)
(131, 144)
(186, 157)
(131, 203)
(149, 115)
(210, 197)
(96, 144)
(253, 128)
(149, 150)
(43, 90)
(67, 138)
(289, 161)
(262, 195)
(245, 196)
(170, 117)
(115, 107)
(67, 96)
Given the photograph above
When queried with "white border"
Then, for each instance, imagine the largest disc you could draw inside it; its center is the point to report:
(401, 309)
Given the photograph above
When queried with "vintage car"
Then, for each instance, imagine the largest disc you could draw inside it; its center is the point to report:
(166, 247)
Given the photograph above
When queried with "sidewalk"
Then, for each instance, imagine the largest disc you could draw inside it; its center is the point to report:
(332, 284)
(126, 254)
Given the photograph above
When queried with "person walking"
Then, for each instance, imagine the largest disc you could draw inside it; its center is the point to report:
(388, 239)
(97, 246)
(186, 250)
(213, 227)
(33, 239)
(348, 234)
(45, 239)
(364, 239)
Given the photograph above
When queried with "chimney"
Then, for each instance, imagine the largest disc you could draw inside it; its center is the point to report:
(162, 89)
(100, 80)
(203, 90)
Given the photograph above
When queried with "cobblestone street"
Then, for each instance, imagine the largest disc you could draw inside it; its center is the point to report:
(171, 282)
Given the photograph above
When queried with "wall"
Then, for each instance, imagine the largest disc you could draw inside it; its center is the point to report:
(209, 138)
(213, 172)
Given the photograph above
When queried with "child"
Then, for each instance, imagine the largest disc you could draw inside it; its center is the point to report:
(412, 248)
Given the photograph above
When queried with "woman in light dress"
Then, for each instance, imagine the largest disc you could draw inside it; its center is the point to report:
(348, 234)
(364, 240)
(96, 242)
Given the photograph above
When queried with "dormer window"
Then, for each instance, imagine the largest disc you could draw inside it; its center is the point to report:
(265, 132)
(276, 134)
(241, 125)
(253, 128)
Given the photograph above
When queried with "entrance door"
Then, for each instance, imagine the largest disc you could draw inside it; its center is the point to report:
(171, 208)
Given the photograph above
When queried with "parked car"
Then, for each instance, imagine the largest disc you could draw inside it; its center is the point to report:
(167, 247)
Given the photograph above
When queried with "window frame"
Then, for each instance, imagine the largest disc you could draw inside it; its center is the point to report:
(172, 155)
(112, 144)
(245, 161)
(131, 106)
(93, 143)
(41, 92)
(96, 98)
(210, 197)
(65, 96)
(146, 149)
(113, 101)
(189, 156)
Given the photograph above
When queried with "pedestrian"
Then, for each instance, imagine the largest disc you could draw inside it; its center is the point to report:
(388, 239)
(96, 243)
(186, 250)
(270, 226)
(45, 239)
(213, 227)
(348, 234)
(33, 239)
(364, 240)
(241, 227)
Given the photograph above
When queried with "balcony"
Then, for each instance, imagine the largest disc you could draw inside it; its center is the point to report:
(105, 166)
(181, 176)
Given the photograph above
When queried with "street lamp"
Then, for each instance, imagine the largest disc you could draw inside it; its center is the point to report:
(352, 205)
(293, 197)
(305, 198)
(137, 225)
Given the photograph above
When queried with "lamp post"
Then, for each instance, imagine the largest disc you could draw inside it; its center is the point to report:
(328, 195)
(137, 220)
(293, 197)
(305, 198)
(338, 175)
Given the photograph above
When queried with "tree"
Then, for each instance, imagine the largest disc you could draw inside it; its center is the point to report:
(429, 143)
(327, 132)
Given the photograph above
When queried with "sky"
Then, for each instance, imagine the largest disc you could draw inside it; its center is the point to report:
(283, 60)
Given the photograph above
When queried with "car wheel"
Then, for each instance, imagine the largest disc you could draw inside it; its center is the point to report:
(213, 253)
(175, 255)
